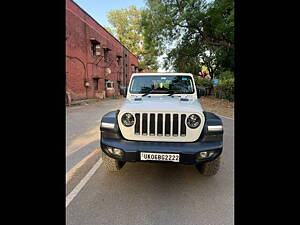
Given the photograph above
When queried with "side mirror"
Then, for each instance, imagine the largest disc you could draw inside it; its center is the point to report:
(200, 92)
(123, 91)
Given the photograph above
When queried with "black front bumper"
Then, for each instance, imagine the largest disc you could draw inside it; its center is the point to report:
(188, 151)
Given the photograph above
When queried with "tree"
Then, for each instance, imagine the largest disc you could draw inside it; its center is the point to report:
(127, 27)
(151, 45)
(110, 30)
(201, 32)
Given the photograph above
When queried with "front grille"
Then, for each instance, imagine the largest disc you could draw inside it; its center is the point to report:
(137, 124)
(145, 124)
(160, 124)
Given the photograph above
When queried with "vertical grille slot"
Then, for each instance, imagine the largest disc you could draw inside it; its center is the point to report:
(144, 124)
(175, 125)
(167, 125)
(183, 127)
(159, 125)
(137, 124)
(152, 124)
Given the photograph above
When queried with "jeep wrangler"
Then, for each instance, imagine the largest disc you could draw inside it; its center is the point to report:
(162, 120)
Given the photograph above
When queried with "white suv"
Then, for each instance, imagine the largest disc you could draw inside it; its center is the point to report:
(162, 120)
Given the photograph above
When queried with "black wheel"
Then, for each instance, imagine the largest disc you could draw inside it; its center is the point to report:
(210, 168)
(111, 164)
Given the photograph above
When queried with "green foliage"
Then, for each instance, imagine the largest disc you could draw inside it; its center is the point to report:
(110, 30)
(225, 89)
(226, 75)
(207, 83)
(127, 27)
(151, 45)
(203, 33)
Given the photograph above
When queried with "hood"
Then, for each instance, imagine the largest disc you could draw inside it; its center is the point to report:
(161, 104)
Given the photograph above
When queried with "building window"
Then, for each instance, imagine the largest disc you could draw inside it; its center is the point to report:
(106, 51)
(96, 84)
(109, 84)
(95, 47)
(119, 60)
(132, 68)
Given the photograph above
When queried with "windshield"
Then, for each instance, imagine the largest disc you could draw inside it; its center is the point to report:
(160, 84)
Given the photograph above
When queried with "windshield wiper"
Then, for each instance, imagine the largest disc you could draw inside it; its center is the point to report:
(159, 92)
(171, 93)
(147, 93)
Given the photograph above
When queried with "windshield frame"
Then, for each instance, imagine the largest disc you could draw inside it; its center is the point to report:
(162, 93)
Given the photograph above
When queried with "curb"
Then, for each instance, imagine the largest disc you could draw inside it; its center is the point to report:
(88, 101)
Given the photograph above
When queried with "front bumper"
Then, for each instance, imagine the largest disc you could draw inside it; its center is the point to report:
(188, 151)
(211, 139)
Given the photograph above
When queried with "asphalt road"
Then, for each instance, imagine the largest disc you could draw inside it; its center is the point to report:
(82, 129)
(145, 193)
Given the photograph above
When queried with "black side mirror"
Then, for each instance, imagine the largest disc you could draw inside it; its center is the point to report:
(123, 91)
(200, 92)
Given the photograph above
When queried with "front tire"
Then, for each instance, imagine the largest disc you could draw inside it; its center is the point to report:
(111, 164)
(210, 168)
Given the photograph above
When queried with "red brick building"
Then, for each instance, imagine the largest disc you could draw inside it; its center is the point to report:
(97, 64)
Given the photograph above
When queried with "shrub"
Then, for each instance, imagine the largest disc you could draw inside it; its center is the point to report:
(226, 75)
(207, 83)
(225, 89)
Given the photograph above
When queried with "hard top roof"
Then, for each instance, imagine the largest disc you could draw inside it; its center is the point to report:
(162, 73)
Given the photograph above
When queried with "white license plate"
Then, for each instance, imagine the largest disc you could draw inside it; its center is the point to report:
(159, 157)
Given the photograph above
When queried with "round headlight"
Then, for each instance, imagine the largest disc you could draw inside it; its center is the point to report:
(193, 121)
(127, 119)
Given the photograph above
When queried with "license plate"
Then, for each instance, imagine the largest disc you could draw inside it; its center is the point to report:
(145, 156)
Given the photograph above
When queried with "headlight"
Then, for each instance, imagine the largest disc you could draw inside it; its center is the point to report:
(127, 119)
(193, 121)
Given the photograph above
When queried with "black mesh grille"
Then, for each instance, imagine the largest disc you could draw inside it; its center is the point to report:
(137, 124)
(175, 125)
(144, 123)
(152, 124)
(183, 127)
(159, 124)
(167, 125)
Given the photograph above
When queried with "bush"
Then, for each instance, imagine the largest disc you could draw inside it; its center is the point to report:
(225, 89)
(226, 75)
(207, 83)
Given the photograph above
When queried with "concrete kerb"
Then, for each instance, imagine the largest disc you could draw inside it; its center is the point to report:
(89, 101)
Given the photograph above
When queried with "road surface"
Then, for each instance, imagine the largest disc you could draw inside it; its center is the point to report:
(145, 193)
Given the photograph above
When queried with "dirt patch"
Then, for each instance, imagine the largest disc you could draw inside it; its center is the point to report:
(219, 106)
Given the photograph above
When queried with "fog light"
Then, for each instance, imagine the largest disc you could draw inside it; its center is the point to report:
(203, 154)
(118, 151)
(110, 149)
